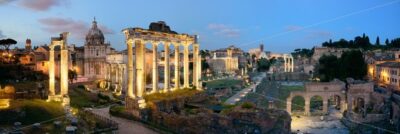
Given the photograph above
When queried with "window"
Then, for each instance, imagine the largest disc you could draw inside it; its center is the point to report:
(43, 64)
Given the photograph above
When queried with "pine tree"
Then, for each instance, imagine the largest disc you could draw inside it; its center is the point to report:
(387, 42)
(377, 41)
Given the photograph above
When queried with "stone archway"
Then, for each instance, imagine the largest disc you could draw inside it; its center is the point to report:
(316, 104)
(359, 105)
(298, 104)
(335, 101)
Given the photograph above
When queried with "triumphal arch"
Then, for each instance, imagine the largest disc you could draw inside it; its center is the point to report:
(63, 94)
(138, 38)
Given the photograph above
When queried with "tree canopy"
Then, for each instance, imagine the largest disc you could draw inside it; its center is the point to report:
(350, 64)
(6, 43)
(363, 42)
(303, 52)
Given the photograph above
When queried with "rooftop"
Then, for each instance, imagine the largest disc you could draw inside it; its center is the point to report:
(390, 64)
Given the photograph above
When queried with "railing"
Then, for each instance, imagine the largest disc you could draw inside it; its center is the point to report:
(111, 125)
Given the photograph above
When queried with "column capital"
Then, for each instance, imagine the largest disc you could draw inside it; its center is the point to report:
(155, 42)
(165, 42)
(175, 43)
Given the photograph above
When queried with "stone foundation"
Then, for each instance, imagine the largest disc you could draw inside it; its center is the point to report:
(177, 116)
(57, 98)
(134, 105)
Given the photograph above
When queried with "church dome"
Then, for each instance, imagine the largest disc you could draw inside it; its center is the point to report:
(95, 35)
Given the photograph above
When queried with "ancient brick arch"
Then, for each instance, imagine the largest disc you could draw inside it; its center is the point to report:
(325, 90)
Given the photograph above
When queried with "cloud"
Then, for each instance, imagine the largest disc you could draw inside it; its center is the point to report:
(42, 5)
(224, 30)
(293, 28)
(2, 35)
(319, 34)
(3, 2)
(77, 28)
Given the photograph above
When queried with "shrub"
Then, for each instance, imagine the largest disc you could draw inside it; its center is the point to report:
(247, 105)
(9, 89)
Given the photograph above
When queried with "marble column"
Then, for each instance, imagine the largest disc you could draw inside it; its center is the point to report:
(155, 67)
(289, 105)
(292, 64)
(285, 63)
(325, 105)
(342, 105)
(64, 70)
(199, 84)
(307, 106)
(166, 66)
(195, 65)
(51, 69)
(176, 64)
(140, 68)
(130, 93)
(186, 65)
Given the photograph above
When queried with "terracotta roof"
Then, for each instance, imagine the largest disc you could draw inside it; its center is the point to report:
(390, 64)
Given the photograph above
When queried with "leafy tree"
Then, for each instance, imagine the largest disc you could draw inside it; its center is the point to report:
(263, 64)
(304, 52)
(327, 67)
(204, 65)
(350, 64)
(72, 75)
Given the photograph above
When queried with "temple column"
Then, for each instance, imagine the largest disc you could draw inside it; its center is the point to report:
(285, 62)
(130, 93)
(166, 66)
(176, 71)
(289, 105)
(155, 68)
(199, 84)
(292, 64)
(64, 69)
(325, 105)
(51, 72)
(195, 65)
(307, 106)
(140, 68)
(342, 105)
(186, 65)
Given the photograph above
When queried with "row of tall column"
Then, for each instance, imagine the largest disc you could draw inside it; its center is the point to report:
(116, 74)
(289, 64)
(53, 96)
(139, 67)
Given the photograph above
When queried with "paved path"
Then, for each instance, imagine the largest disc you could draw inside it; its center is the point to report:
(238, 96)
(313, 124)
(125, 126)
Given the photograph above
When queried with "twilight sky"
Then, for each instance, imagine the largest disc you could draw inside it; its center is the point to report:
(282, 25)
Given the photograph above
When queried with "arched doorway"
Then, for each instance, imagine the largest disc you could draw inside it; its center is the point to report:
(359, 105)
(316, 105)
(297, 105)
(335, 102)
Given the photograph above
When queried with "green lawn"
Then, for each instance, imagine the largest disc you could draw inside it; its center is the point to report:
(81, 98)
(284, 92)
(37, 111)
(223, 83)
(170, 95)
